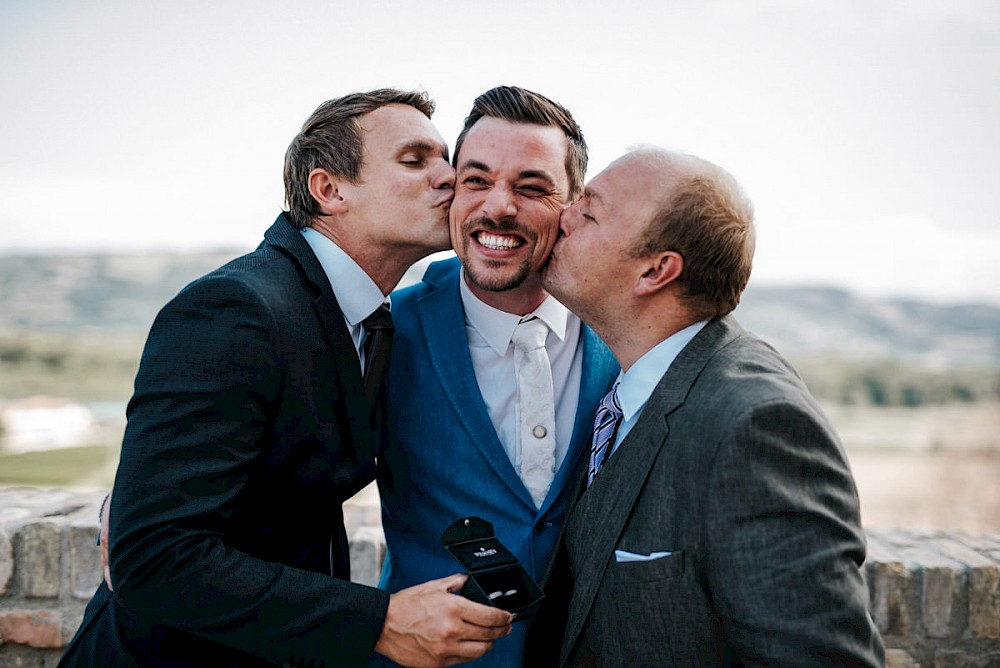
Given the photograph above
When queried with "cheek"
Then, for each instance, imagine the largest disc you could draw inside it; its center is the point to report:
(584, 255)
(455, 218)
(461, 206)
(547, 229)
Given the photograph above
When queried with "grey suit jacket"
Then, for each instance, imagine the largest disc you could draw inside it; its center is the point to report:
(734, 470)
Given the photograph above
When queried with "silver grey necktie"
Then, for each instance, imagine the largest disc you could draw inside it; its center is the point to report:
(535, 408)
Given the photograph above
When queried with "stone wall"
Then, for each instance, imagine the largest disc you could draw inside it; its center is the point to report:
(935, 595)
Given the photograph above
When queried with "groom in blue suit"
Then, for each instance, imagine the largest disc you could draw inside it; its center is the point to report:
(455, 447)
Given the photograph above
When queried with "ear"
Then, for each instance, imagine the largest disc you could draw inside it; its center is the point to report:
(325, 189)
(661, 270)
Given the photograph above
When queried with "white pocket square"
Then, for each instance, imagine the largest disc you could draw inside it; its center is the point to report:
(621, 556)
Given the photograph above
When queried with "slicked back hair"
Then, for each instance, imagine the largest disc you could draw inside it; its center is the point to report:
(708, 220)
(332, 139)
(518, 105)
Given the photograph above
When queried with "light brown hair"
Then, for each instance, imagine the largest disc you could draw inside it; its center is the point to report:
(519, 105)
(708, 219)
(332, 139)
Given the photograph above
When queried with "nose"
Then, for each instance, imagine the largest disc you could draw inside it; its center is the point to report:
(444, 177)
(568, 219)
(499, 202)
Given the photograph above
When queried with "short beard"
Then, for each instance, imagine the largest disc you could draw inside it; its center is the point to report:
(493, 283)
(487, 281)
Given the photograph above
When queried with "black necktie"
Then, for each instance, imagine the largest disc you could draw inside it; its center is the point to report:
(377, 346)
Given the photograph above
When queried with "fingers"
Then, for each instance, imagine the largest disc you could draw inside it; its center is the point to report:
(472, 612)
(484, 622)
(452, 583)
(485, 616)
(429, 625)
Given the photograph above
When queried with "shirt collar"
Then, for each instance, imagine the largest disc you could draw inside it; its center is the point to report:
(497, 327)
(356, 292)
(637, 385)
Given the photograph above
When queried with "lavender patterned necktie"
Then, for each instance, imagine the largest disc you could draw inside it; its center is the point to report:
(609, 417)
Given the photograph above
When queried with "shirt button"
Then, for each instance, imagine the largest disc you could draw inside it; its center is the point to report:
(539, 431)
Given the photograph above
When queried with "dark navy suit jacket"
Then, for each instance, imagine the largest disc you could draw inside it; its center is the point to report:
(247, 430)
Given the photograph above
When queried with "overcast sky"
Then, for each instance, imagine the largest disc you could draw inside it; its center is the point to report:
(866, 131)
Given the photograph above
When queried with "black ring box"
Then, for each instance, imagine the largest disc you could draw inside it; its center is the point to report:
(496, 577)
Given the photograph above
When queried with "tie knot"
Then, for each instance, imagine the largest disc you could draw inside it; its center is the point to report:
(610, 402)
(379, 319)
(530, 335)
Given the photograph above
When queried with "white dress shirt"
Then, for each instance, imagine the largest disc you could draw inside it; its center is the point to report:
(489, 332)
(636, 386)
(355, 290)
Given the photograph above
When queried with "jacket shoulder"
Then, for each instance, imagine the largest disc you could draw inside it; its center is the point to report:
(436, 275)
(747, 373)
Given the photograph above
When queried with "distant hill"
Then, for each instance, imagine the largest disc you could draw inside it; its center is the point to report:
(813, 320)
(122, 293)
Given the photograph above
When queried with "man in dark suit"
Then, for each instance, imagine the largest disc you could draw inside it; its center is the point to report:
(250, 425)
(718, 520)
(452, 392)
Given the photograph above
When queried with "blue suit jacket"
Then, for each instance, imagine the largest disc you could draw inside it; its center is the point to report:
(445, 461)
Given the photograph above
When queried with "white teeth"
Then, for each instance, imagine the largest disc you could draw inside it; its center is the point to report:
(497, 242)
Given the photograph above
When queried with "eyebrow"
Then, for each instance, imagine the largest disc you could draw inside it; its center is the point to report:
(425, 146)
(526, 174)
(590, 194)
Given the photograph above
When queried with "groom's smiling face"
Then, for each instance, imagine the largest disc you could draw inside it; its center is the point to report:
(511, 186)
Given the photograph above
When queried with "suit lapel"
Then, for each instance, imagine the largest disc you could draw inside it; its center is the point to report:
(608, 503)
(345, 357)
(285, 237)
(605, 507)
(599, 370)
(442, 320)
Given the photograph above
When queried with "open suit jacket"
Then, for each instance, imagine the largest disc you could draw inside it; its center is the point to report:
(445, 460)
(732, 470)
(247, 430)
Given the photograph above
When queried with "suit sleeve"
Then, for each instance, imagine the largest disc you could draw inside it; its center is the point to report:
(785, 543)
(205, 394)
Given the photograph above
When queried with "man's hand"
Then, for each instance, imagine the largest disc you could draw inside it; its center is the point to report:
(429, 625)
(103, 538)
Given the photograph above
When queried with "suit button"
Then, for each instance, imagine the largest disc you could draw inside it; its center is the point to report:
(539, 528)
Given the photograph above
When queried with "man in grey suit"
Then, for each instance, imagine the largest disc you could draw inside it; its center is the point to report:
(718, 521)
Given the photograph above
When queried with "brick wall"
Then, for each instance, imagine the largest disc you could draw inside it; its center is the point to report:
(935, 595)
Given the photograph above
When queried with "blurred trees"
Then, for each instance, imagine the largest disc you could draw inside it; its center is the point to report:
(896, 383)
(89, 366)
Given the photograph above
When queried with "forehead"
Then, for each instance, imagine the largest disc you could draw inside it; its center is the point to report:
(501, 145)
(397, 126)
(629, 188)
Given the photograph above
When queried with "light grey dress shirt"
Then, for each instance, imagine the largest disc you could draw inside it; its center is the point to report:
(356, 292)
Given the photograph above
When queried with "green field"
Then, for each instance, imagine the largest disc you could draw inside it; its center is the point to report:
(86, 465)
(86, 366)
